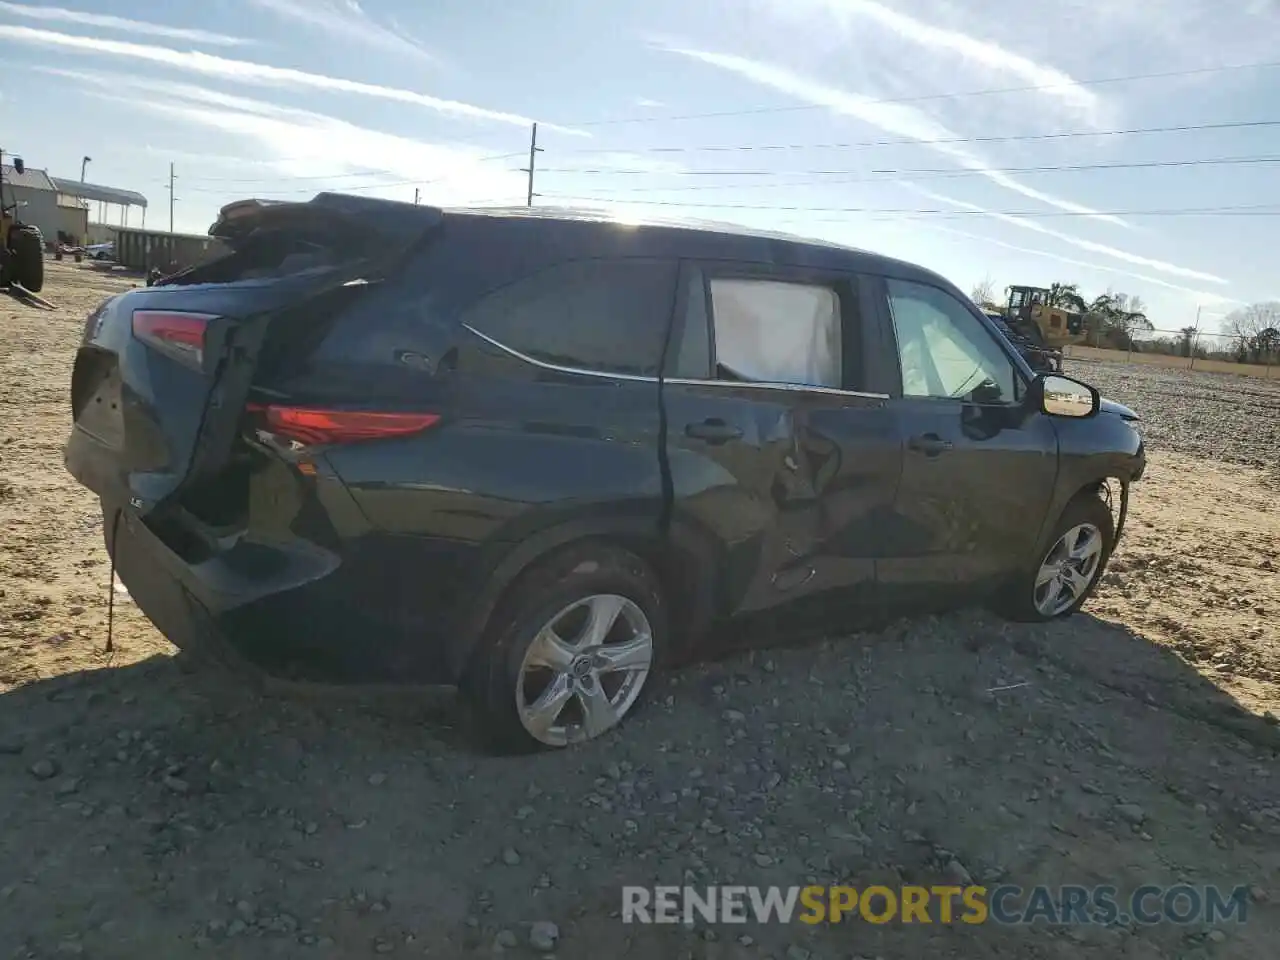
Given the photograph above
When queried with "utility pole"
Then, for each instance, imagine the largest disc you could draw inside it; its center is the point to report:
(171, 196)
(416, 194)
(534, 150)
(84, 163)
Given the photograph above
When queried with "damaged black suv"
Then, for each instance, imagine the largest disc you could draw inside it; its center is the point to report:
(539, 454)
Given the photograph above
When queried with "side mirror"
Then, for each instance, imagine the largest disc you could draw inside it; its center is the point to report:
(19, 166)
(1059, 396)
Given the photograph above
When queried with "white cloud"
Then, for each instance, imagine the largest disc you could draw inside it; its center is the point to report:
(1055, 84)
(299, 144)
(648, 103)
(1201, 295)
(243, 71)
(347, 20)
(895, 118)
(1161, 266)
(108, 22)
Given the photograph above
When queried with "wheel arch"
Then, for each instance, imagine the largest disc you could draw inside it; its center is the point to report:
(679, 556)
(1100, 482)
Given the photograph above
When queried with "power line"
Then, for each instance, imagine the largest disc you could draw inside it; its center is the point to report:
(1168, 74)
(921, 171)
(331, 176)
(907, 141)
(1258, 210)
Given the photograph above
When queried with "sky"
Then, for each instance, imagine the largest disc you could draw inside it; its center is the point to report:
(994, 140)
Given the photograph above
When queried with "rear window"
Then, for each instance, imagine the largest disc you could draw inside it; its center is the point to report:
(608, 316)
(271, 254)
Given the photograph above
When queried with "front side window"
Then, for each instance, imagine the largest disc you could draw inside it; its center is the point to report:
(601, 315)
(777, 332)
(944, 351)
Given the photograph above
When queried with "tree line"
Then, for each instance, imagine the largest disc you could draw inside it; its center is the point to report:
(1119, 321)
(1113, 318)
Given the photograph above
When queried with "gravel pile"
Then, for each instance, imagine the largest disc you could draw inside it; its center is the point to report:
(1222, 416)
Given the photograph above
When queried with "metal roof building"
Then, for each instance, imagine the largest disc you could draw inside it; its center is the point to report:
(36, 197)
(106, 197)
(95, 191)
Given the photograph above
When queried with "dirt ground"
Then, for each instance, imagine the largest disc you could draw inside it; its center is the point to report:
(151, 810)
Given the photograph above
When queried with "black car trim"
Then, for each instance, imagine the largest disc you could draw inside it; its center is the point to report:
(605, 375)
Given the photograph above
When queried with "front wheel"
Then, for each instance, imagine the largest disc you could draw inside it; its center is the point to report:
(570, 651)
(27, 259)
(1069, 565)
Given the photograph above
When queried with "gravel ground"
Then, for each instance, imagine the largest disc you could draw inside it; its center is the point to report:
(1217, 416)
(149, 809)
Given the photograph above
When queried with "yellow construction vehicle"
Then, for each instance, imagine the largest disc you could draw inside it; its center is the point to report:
(21, 244)
(1057, 326)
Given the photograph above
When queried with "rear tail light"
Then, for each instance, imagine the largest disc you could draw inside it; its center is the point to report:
(177, 335)
(310, 426)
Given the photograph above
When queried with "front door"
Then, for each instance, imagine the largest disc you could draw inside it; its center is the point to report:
(978, 466)
(776, 455)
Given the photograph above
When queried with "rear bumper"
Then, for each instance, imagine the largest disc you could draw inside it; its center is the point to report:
(296, 612)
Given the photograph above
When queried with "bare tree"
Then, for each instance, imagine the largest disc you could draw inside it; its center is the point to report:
(984, 294)
(1252, 329)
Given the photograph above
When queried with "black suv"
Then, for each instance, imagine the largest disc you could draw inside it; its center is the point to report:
(539, 454)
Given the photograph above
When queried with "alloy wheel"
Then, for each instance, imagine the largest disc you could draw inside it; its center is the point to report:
(584, 669)
(1068, 569)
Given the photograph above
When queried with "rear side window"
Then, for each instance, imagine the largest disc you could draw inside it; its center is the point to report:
(777, 332)
(609, 316)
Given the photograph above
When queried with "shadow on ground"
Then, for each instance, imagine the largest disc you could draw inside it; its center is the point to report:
(158, 810)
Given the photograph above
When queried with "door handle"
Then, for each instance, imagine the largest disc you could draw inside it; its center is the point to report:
(713, 430)
(929, 444)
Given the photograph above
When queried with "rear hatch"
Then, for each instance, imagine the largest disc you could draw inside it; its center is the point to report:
(163, 374)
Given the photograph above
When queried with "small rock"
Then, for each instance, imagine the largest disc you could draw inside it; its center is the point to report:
(176, 784)
(1131, 813)
(956, 871)
(236, 927)
(798, 953)
(44, 769)
(67, 786)
(543, 935)
(505, 940)
(245, 909)
(763, 860)
(384, 946)
(735, 716)
(1258, 894)
(377, 779)
(1217, 936)
(510, 856)
(10, 746)
(71, 948)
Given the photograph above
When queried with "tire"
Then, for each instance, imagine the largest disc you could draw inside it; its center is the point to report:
(1019, 601)
(566, 590)
(27, 259)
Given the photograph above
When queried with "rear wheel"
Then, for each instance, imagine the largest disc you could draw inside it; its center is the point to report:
(1068, 566)
(570, 650)
(26, 259)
